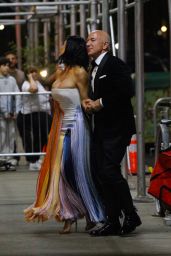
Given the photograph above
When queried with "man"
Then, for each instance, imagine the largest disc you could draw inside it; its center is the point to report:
(113, 127)
(20, 78)
(9, 108)
(14, 71)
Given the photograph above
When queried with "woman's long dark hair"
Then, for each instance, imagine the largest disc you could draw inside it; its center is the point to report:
(75, 52)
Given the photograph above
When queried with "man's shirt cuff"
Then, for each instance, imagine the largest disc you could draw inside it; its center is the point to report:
(101, 103)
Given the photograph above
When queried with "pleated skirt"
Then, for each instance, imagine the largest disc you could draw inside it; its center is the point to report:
(65, 189)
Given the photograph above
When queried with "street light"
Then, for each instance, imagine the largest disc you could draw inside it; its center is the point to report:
(2, 27)
(43, 73)
(163, 28)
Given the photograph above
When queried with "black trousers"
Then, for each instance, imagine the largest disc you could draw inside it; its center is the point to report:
(34, 129)
(107, 154)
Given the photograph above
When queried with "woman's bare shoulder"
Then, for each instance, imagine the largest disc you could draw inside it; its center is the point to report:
(80, 71)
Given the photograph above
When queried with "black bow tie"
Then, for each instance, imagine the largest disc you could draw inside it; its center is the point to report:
(93, 64)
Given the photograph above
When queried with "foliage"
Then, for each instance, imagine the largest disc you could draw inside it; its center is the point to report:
(33, 57)
(12, 47)
(156, 85)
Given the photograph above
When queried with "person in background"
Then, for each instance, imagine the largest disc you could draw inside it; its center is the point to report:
(9, 107)
(34, 120)
(114, 125)
(13, 70)
(20, 77)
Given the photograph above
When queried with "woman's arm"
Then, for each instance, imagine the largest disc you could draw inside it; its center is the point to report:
(82, 82)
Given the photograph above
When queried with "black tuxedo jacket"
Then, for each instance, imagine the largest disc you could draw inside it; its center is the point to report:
(113, 84)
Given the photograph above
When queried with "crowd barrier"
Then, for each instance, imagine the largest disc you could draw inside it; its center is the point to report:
(23, 127)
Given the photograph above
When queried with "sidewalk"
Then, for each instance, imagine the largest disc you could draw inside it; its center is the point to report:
(19, 238)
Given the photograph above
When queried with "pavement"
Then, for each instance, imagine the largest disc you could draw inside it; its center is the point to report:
(19, 238)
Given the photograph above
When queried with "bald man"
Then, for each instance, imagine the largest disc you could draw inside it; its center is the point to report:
(114, 125)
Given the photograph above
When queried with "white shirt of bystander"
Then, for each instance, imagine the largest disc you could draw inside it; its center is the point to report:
(34, 102)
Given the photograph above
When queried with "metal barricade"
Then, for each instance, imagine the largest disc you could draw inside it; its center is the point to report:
(162, 131)
(24, 128)
(161, 114)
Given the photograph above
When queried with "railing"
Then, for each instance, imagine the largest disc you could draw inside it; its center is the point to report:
(23, 125)
(164, 105)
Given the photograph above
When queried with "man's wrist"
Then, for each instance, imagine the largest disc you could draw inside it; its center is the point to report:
(97, 105)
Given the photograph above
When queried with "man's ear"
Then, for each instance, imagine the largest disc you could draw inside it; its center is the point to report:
(105, 46)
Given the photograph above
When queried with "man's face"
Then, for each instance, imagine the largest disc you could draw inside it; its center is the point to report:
(4, 69)
(95, 44)
(13, 60)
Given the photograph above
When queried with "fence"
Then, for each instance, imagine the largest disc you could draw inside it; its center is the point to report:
(25, 121)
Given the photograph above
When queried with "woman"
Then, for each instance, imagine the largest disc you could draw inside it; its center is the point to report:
(65, 189)
(34, 120)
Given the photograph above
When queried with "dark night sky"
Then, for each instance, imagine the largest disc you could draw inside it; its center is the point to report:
(7, 36)
(155, 14)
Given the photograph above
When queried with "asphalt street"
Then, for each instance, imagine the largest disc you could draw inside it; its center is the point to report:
(19, 238)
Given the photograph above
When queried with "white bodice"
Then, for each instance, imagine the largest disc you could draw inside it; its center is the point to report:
(69, 101)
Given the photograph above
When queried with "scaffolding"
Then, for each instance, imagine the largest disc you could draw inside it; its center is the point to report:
(81, 17)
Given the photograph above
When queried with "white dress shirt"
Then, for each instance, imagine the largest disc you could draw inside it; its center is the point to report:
(98, 60)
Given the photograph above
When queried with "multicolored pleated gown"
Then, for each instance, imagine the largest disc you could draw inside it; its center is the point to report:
(65, 189)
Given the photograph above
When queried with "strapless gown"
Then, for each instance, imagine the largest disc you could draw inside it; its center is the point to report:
(65, 189)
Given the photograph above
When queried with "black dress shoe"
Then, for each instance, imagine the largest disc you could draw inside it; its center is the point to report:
(90, 225)
(130, 223)
(107, 229)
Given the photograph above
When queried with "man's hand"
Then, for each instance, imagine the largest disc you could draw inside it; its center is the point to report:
(86, 104)
(96, 105)
(91, 106)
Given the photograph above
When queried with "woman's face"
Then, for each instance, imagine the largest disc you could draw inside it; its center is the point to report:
(34, 75)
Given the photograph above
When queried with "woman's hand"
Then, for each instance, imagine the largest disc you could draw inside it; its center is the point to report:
(30, 78)
(91, 106)
(33, 86)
